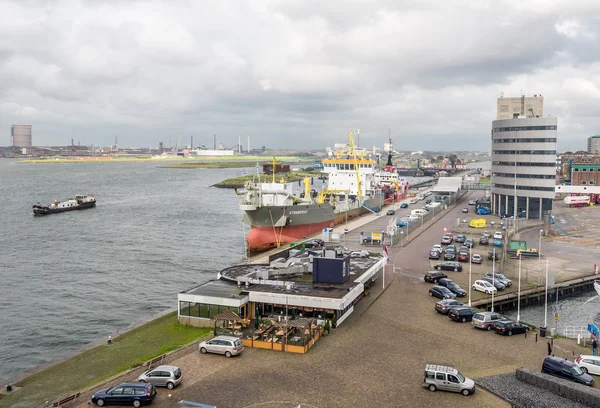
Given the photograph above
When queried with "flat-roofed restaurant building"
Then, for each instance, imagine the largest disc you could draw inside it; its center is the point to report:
(523, 161)
(294, 286)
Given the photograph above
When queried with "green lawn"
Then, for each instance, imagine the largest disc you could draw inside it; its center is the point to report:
(484, 180)
(128, 350)
(238, 182)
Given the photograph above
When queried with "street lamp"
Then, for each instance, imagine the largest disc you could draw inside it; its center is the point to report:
(519, 293)
(493, 276)
(470, 255)
(540, 247)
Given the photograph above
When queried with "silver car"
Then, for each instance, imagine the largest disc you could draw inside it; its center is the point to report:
(447, 378)
(227, 345)
(162, 376)
(486, 320)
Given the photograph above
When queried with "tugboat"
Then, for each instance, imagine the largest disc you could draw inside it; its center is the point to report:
(80, 202)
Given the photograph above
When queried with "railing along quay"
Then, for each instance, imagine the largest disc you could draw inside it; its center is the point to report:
(537, 294)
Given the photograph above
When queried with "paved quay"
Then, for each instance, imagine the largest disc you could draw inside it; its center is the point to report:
(375, 359)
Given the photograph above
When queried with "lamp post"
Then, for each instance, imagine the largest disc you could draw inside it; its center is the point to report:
(519, 293)
(493, 275)
(470, 255)
(546, 299)
(540, 247)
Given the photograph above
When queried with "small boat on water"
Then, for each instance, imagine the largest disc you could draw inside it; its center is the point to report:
(597, 286)
(80, 202)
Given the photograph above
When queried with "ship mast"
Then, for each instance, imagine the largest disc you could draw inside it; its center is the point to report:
(353, 152)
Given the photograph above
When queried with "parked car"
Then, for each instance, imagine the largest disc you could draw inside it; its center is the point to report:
(413, 200)
(227, 345)
(484, 240)
(460, 238)
(472, 202)
(493, 256)
(469, 243)
(128, 393)
(447, 378)
(502, 278)
(360, 254)
(451, 248)
(404, 205)
(313, 243)
(476, 258)
(437, 247)
(450, 256)
(483, 211)
(463, 249)
(563, 368)
(461, 314)
(162, 376)
(452, 286)
(497, 284)
(434, 254)
(444, 305)
(484, 287)
(486, 320)
(487, 234)
(434, 276)
(391, 212)
(463, 256)
(441, 292)
(497, 242)
(588, 364)
(446, 240)
(449, 266)
(508, 327)
(497, 235)
(465, 210)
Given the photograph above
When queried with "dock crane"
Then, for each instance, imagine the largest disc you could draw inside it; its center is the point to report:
(176, 148)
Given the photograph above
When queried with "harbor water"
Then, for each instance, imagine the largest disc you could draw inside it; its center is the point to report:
(71, 278)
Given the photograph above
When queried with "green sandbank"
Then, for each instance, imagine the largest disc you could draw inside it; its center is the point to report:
(238, 182)
(99, 363)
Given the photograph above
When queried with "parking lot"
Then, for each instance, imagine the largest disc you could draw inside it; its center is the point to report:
(376, 358)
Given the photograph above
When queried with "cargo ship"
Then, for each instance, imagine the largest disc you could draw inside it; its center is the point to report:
(80, 202)
(279, 215)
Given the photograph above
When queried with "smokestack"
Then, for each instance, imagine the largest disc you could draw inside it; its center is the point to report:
(72, 142)
(239, 145)
(192, 142)
(248, 144)
(215, 142)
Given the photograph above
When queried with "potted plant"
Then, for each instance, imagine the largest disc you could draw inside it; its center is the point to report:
(334, 321)
(326, 327)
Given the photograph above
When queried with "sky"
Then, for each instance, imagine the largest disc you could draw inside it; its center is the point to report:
(294, 74)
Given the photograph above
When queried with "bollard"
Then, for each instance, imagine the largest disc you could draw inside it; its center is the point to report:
(578, 338)
(109, 341)
(9, 387)
(536, 337)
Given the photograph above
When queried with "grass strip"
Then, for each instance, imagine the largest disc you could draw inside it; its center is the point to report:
(238, 182)
(128, 350)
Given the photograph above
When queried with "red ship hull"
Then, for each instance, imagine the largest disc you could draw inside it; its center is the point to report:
(265, 238)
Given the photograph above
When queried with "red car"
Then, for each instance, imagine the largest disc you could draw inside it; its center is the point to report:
(463, 257)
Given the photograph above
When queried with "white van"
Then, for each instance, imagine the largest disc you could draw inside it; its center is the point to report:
(447, 378)
(418, 212)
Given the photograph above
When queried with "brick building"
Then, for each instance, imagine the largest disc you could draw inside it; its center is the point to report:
(581, 169)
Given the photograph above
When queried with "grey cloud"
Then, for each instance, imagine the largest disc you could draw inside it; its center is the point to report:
(292, 73)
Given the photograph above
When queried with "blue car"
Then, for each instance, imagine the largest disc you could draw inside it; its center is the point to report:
(401, 224)
(132, 393)
(483, 211)
(403, 205)
(498, 242)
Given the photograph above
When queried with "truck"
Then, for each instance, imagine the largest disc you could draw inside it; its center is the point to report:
(577, 201)
(514, 246)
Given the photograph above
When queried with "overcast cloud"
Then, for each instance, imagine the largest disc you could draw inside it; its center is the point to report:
(296, 74)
